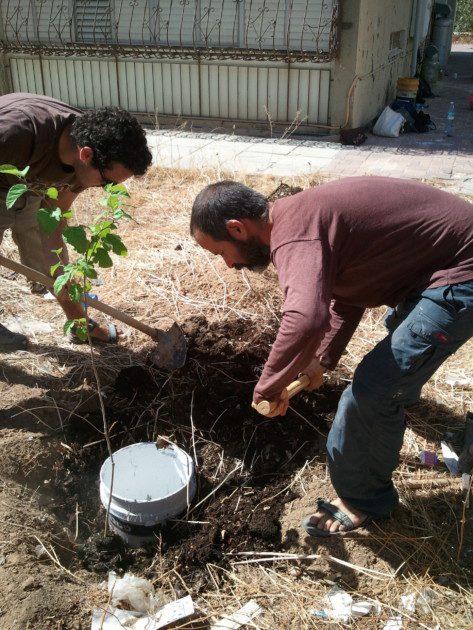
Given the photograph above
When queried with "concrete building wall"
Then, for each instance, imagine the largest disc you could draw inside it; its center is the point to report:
(375, 49)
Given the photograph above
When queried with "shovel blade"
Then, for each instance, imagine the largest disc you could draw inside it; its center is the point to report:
(171, 351)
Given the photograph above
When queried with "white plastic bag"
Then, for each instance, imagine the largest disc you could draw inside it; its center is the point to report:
(389, 123)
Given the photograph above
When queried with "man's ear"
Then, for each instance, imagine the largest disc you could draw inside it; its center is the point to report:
(237, 230)
(85, 155)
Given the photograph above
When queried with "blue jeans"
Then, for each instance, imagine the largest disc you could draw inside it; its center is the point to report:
(367, 433)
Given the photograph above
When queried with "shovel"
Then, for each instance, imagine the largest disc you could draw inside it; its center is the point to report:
(172, 346)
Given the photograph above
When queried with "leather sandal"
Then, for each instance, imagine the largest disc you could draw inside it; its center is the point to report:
(335, 513)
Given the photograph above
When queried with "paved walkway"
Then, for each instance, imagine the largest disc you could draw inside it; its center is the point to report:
(431, 155)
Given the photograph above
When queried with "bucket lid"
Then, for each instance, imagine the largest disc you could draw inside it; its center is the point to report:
(144, 473)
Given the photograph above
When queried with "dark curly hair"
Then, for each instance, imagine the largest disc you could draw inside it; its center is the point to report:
(115, 136)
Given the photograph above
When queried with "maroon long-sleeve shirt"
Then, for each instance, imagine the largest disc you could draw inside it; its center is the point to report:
(351, 244)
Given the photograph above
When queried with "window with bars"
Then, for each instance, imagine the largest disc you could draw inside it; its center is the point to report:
(93, 21)
(232, 28)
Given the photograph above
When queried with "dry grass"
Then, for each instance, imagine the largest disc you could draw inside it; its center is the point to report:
(166, 276)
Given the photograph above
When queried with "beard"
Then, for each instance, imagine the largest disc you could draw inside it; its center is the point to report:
(256, 254)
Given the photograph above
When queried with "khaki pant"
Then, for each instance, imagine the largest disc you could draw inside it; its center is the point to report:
(22, 221)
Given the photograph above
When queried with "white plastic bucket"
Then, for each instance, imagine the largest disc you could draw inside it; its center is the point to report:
(150, 485)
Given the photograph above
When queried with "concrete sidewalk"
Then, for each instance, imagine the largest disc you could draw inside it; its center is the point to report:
(431, 155)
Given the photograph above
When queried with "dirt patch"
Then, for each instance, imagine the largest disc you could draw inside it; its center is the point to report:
(256, 478)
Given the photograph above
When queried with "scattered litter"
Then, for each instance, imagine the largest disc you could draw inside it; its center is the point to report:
(239, 618)
(114, 618)
(148, 611)
(40, 552)
(2, 560)
(344, 608)
(429, 458)
(456, 380)
(395, 623)
(450, 457)
(137, 593)
(27, 327)
(341, 602)
(420, 603)
(48, 296)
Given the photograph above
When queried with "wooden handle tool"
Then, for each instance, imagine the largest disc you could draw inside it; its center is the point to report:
(266, 407)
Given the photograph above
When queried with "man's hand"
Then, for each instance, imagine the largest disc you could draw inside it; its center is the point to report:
(315, 372)
(281, 405)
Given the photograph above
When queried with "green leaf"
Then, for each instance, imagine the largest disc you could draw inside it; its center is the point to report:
(54, 268)
(69, 325)
(9, 169)
(67, 215)
(121, 214)
(48, 220)
(60, 283)
(87, 269)
(116, 243)
(113, 202)
(52, 193)
(15, 193)
(102, 258)
(75, 292)
(76, 237)
(117, 189)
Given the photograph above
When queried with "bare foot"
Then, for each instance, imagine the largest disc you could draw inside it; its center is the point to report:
(326, 522)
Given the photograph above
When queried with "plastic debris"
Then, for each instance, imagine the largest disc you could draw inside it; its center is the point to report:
(395, 623)
(456, 380)
(341, 603)
(420, 603)
(343, 608)
(137, 593)
(40, 552)
(116, 619)
(450, 457)
(429, 458)
(239, 618)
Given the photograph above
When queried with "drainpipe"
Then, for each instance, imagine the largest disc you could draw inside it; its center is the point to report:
(419, 11)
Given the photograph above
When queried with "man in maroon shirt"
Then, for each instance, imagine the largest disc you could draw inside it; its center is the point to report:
(338, 249)
(72, 151)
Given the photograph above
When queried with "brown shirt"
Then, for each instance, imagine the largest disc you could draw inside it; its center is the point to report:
(351, 244)
(30, 127)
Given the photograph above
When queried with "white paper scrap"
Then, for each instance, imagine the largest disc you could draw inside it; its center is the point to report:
(114, 619)
(395, 623)
(174, 611)
(457, 379)
(341, 603)
(362, 608)
(450, 458)
(240, 618)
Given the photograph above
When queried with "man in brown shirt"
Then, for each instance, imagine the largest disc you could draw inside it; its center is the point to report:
(338, 249)
(72, 151)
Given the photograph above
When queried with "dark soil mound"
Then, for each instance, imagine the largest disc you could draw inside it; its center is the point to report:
(244, 461)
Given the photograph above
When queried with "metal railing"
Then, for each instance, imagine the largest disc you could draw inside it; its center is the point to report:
(247, 29)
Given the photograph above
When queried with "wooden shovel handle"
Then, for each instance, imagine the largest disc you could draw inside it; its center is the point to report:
(37, 276)
(268, 406)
